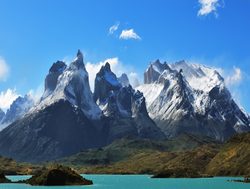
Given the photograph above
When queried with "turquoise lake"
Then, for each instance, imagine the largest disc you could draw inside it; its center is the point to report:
(139, 182)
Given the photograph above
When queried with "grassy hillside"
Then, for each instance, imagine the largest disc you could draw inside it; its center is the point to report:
(10, 167)
(144, 156)
(186, 154)
(233, 158)
(156, 161)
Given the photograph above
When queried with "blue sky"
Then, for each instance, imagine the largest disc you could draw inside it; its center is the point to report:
(34, 34)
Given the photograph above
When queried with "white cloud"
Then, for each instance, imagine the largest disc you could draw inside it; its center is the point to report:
(116, 66)
(208, 6)
(133, 79)
(37, 93)
(4, 69)
(234, 78)
(129, 34)
(7, 97)
(113, 28)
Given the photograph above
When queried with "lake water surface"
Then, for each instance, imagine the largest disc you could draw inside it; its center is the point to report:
(139, 182)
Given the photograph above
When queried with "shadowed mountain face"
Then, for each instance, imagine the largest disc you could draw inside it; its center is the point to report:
(55, 131)
(67, 119)
(189, 98)
(51, 79)
(125, 107)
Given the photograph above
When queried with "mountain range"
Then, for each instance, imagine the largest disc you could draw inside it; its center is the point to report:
(191, 98)
(174, 99)
(70, 118)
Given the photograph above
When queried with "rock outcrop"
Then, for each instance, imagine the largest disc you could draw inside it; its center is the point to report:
(58, 176)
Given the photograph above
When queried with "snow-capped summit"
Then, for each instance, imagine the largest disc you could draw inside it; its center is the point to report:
(200, 77)
(184, 97)
(72, 84)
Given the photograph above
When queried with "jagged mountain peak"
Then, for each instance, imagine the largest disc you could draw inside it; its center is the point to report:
(78, 62)
(105, 82)
(106, 67)
(154, 70)
(124, 106)
(51, 79)
(123, 79)
(58, 67)
(158, 66)
(187, 97)
(72, 84)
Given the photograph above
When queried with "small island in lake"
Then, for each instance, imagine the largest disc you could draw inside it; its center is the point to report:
(58, 176)
(180, 173)
(245, 180)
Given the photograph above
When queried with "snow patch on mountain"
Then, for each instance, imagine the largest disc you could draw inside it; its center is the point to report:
(194, 93)
(150, 91)
(199, 77)
(73, 86)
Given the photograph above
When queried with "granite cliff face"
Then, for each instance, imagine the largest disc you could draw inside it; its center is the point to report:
(51, 79)
(124, 107)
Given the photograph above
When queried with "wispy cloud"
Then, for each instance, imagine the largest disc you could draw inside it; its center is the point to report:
(129, 34)
(208, 7)
(234, 78)
(4, 69)
(7, 97)
(134, 79)
(113, 28)
(116, 66)
(37, 93)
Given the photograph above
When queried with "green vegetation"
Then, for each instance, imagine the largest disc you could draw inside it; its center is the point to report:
(9, 166)
(127, 156)
(186, 156)
(157, 162)
(124, 149)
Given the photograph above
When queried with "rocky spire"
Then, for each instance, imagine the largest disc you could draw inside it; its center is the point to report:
(78, 62)
(105, 82)
(51, 79)
(155, 69)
